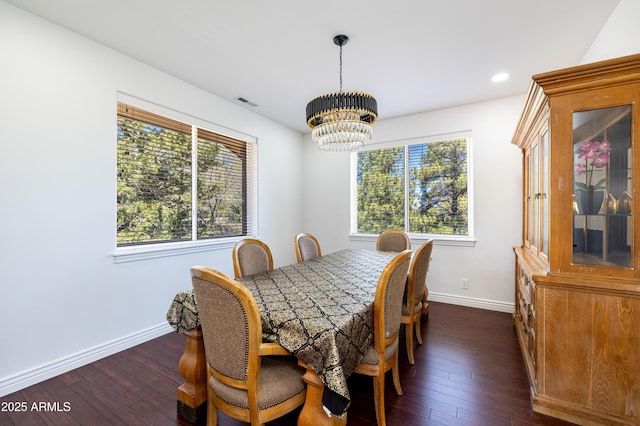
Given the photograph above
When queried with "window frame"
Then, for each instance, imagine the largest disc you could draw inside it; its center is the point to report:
(439, 239)
(136, 252)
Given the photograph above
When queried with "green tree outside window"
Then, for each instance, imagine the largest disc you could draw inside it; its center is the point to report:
(155, 172)
(419, 188)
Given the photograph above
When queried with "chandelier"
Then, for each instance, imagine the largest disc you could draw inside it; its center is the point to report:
(341, 121)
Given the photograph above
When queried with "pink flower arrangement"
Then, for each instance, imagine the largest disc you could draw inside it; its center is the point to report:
(596, 156)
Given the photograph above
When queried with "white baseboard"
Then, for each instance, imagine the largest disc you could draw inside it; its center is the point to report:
(490, 305)
(46, 371)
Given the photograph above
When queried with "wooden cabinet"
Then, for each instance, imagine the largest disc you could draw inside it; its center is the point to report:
(577, 283)
(525, 313)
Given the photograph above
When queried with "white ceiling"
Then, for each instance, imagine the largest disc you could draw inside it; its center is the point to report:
(412, 55)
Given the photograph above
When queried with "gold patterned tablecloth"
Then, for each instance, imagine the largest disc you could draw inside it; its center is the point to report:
(183, 312)
(321, 310)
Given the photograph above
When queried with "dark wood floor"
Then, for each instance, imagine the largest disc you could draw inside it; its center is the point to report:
(468, 372)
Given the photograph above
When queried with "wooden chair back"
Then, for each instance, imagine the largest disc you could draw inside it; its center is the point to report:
(387, 306)
(307, 247)
(382, 356)
(417, 280)
(236, 355)
(415, 295)
(251, 256)
(393, 240)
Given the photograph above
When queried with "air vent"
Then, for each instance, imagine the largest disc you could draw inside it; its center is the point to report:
(246, 101)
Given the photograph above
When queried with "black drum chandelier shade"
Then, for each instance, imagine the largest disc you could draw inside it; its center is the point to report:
(341, 121)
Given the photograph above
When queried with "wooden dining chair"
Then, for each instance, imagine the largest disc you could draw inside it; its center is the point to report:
(247, 379)
(307, 246)
(250, 257)
(416, 289)
(382, 355)
(393, 240)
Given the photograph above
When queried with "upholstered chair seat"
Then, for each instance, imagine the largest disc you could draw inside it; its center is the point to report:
(406, 310)
(372, 357)
(282, 374)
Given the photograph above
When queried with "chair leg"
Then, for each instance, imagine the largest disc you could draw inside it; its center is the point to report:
(418, 331)
(212, 413)
(408, 337)
(395, 372)
(378, 398)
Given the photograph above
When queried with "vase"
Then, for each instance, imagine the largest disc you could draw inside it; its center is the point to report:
(590, 201)
(624, 203)
(611, 204)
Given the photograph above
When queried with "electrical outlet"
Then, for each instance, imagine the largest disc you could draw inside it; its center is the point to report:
(464, 283)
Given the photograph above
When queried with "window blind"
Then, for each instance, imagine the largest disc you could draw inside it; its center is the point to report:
(381, 190)
(222, 186)
(179, 182)
(438, 201)
(421, 188)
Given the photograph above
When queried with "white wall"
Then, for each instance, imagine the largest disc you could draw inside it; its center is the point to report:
(620, 36)
(497, 180)
(63, 300)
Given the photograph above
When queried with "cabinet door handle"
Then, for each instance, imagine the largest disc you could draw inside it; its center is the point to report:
(524, 303)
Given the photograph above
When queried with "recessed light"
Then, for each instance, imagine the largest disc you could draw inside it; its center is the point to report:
(500, 77)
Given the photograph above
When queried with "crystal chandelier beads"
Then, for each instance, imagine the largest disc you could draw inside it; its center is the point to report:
(341, 131)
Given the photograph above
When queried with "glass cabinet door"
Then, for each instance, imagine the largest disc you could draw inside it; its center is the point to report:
(602, 179)
(537, 199)
(535, 194)
(544, 198)
(528, 237)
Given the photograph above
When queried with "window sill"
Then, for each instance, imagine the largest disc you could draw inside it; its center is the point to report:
(154, 251)
(438, 240)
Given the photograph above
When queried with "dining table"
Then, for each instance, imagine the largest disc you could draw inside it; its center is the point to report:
(320, 310)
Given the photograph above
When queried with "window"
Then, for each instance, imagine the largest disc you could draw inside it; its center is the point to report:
(421, 188)
(178, 181)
